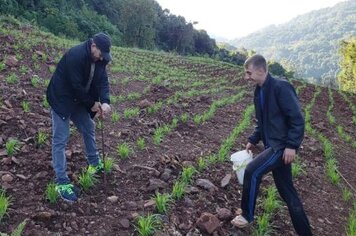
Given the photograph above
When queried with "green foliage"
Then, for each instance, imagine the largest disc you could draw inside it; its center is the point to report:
(141, 143)
(4, 204)
(87, 180)
(51, 193)
(11, 79)
(347, 74)
(123, 150)
(108, 164)
(12, 146)
(162, 201)
(41, 138)
(25, 106)
(178, 190)
(115, 117)
(351, 222)
(346, 194)
(146, 226)
(35, 81)
(187, 174)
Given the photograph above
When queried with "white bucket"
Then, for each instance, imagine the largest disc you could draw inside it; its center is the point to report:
(240, 160)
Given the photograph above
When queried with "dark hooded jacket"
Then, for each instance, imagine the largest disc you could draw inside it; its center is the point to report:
(280, 122)
(66, 90)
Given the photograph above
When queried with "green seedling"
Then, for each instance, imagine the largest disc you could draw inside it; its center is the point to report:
(87, 180)
(162, 201)
(12, 146)
(4, 204)
(188, 173)
(51, 193)
(141, 143)
(178, 190)
(25, 106)
(123, 150)
(146, 226)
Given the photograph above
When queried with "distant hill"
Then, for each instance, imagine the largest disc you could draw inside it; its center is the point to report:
(308, 43)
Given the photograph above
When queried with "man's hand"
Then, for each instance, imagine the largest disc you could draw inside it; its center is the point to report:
(288, 155)
(96, 107)
(105, 108)
(249, 146)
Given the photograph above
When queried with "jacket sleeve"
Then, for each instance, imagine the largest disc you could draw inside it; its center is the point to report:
(290, 107)
(256, 136)
(104, 92)
(75, 76)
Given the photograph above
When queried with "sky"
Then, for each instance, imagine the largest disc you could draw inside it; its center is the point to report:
(232, 19)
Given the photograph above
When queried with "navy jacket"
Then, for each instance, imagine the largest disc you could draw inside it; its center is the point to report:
(66, 90)
(280, 122)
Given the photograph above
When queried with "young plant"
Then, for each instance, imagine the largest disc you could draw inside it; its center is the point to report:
(346, 194)
(41, 138)
(45, 103)
(4, 204)
(187, 174)
(115, 117)
(351, 222)
(12, 146)
(131, 112)
(178, 190)
(297, 168)
(108, 164)
(162, 201)
(184, 117)
(25, 106)
(263, 226)
(201, 164)
(11, 79)
(35, 81)
(23, 69)
(146, 226)
(19, 229)
(123, 150)
(46, 82)
(271, 203)
(2, 66)
(51, 193)
(87, 180)
(141, 143)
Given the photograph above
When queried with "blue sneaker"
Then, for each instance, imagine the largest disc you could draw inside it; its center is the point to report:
(67, 192)
(93, 170)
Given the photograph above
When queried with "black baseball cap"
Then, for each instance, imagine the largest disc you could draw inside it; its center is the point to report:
(103, 42)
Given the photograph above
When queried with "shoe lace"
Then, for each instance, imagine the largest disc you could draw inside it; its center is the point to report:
(66, 188)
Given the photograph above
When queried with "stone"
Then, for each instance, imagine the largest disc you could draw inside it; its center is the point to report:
(208, 222)
(7, 178)
(113, 199)
(224, 214)
(226, 180)
(206, 184)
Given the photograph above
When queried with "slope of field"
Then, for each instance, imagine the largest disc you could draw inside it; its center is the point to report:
(181, 118)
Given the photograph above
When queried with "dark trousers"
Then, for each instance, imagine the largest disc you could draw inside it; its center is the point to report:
(263, 163)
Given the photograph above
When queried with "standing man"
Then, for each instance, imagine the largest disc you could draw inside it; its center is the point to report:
(280, 126)
(78, 90)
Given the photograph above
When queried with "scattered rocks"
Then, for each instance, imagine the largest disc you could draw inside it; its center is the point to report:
(7, 178)
(113, 199)
(226, 180)
(124, 223)
(155, 184)
(208, 222)
(224, 213)
(206, 184)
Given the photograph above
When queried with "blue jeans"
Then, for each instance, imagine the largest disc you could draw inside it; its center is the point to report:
(263, 163)
(60, 137)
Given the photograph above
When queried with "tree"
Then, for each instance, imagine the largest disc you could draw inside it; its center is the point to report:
(347, 74)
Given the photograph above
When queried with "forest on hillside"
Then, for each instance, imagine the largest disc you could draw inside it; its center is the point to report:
(131, 23)
(308, 44)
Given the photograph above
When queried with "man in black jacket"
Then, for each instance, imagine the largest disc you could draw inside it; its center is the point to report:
(78, 90)
(280, 126)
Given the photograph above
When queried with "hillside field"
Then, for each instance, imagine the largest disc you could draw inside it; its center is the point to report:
(175, 122)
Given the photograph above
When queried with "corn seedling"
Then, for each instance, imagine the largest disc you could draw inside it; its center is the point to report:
(51, 69)
(187, 174)
(99, 124)
(87, 180)
(133, 96)
(2, 66)
(46, 82)
(141, 143)
(45, 103)
(108, 164)
(35, 81)
(4, 204)
(178, 190)
(113, 99)
(23, 69)
(41, 138)
(131, 112)
(331, 170)
(351, 222)
(123, 150)
(297, 168)
(184, 117)
(346, 194)
(19, 229)
(12, 146)
(115, 117)
(263, 226)
(271, 203)
(25, 106)
(162, 201)
(11, 79)
(146, 226)
(51, 193)
(201, 164)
